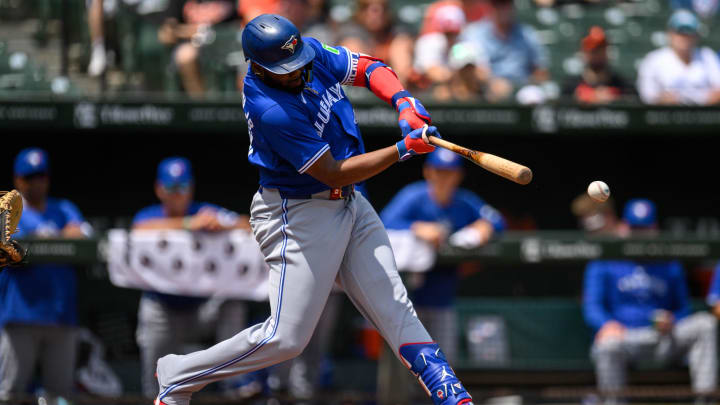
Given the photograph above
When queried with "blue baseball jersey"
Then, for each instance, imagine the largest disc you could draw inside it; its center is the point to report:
(289, 132)
(413, 203)
(43, 294)
(179, 302)
(713, 295)
(629, 292)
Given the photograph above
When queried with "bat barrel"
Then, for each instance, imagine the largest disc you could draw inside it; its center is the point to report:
(502, 167)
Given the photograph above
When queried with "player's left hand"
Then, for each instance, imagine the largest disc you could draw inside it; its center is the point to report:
(416, 142)
(412, 114)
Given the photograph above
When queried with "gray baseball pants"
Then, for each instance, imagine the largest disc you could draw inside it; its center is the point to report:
(162, 330)
(694, 336)
(22, 346)
(308, 245)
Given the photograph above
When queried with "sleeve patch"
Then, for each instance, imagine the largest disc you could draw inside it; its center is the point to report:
(330, 49)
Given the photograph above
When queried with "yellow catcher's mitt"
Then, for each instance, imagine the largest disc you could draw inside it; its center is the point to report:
(11, 207)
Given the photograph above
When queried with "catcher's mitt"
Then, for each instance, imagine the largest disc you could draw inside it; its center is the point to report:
(11, 207)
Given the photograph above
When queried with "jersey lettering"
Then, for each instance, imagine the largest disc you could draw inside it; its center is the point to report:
(250, 126)
(331, 96)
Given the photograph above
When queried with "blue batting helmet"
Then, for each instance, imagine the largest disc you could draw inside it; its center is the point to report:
(274, 43)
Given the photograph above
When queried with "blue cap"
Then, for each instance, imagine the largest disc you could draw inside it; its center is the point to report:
(444, 159)
(640, 213)
(684, 22)
(31, 161)
(175, 171)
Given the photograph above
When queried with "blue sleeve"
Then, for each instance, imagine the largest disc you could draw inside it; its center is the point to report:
(481, 210)
(341, 62)
(594, 293)
(539, 56)
(71, 212)
(399, 213)
(713, 295)
(290, 135)
(680, 303)
(145, 214)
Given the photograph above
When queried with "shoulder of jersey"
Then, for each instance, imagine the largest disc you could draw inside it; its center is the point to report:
(414, 189)
(659, 54)
(466, 194)
(152, 210)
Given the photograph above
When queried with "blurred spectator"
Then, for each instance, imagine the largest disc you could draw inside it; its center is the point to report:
(437, 211)
(98, 57)
(168, 322)
(681, 73)
(474, 10)
(641, 310)
(598, 83)
(38, 313)
(706, 9)
(598, 218)
(455, 70)
(174, 32)
(516, 57)
(375, 32)
(249, 9)
(311, 18)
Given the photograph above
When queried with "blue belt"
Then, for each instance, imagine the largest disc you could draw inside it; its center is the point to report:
(331, 194)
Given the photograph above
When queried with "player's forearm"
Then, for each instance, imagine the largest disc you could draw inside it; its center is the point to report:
(340, 173)
(377, 77)
(161, 223)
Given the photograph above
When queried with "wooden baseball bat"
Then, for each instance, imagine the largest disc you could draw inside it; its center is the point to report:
(495, 164)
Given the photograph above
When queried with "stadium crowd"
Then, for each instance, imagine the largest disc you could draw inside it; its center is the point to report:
(474, 50)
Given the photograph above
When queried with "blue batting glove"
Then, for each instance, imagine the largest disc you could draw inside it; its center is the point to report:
(416, 143)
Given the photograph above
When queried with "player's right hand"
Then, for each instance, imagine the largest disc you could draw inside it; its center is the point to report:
(611, 330)
(205, 220)
(416, 142)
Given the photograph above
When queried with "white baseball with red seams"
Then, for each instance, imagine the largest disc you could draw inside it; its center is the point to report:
(598, 191)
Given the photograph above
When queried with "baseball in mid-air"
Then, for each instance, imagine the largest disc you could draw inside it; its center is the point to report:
(598, 191)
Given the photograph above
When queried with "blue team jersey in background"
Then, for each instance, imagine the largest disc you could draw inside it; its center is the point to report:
(178, 302)
(413, 203)
(713, 295)
(289, 132)
(629, 292)
(43, 294)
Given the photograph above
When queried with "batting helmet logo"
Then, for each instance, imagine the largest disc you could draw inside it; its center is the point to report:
(290, 44)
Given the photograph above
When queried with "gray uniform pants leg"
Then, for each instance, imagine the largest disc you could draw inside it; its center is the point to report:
(22, 346)
(162, 331)
(694, 336)
(305, 243)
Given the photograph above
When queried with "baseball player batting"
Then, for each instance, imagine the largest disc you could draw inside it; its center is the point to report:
(312, 227)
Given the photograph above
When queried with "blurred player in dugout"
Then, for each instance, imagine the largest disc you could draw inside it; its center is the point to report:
(168, 323)
(38, 310)
(641, 310)
(437, 211)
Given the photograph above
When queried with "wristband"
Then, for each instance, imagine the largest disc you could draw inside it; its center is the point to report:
(403, 154)
(400, 94)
